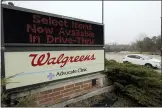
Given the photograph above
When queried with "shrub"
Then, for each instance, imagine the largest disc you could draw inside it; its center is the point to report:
(138, 82)
(26, 101)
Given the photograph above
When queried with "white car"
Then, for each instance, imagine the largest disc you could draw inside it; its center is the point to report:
(140, 59)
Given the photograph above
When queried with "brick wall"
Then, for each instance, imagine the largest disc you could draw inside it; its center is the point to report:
(53, 96)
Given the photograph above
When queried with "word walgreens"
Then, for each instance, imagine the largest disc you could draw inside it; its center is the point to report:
(46, 59)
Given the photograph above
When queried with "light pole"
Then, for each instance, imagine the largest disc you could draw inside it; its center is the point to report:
(102, 11)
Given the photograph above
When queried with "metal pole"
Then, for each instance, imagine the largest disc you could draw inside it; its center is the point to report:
(102, 11)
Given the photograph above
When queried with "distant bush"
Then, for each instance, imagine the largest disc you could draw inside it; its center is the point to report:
(138, 82)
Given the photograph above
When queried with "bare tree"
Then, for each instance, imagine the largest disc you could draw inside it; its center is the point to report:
(140, 43)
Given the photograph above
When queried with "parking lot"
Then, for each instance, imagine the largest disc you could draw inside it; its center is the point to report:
(119, 56)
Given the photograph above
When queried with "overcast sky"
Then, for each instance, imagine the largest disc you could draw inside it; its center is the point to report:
(124, 20)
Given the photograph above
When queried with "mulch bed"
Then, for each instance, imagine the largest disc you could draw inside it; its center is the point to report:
(105, 100)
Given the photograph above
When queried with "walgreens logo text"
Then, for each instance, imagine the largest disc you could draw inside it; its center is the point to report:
(62, 59)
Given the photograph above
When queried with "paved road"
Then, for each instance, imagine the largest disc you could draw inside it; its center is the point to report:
(119, 56)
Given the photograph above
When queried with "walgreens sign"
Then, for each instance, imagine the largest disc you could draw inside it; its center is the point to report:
(62, 59)
(31, 68)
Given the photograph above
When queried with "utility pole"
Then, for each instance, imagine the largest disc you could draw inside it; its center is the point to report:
(102, 11)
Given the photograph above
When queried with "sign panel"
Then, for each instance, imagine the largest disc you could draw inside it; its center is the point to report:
(43, 66)
(23, 27)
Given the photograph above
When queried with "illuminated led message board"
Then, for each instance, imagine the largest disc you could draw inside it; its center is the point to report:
(24, 27)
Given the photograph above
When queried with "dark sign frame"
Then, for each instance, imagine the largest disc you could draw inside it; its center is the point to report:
(50, 15)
